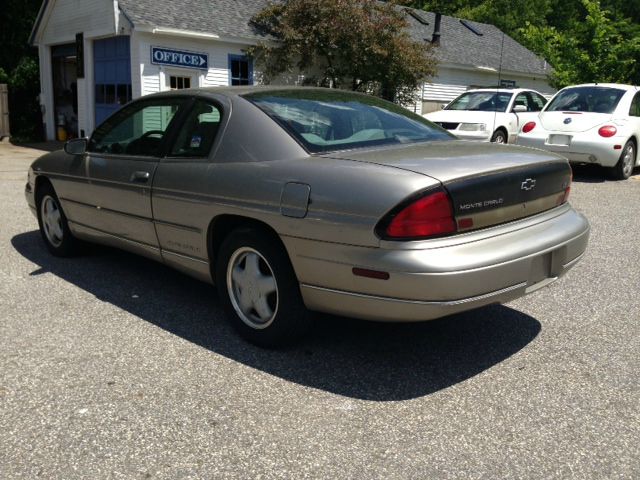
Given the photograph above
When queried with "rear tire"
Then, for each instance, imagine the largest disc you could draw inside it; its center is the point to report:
(499, 136)
(259, 290)
(626, 163)
(53, 224)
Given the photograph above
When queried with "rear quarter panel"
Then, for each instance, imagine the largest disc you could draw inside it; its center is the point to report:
(254, 160)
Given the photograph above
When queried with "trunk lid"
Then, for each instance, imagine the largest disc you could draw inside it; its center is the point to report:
(488, 184)
(572, 121)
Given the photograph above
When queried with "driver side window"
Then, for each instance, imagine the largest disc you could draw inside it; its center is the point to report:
(137, 129)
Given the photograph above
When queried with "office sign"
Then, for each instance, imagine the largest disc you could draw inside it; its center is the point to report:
(179, 58)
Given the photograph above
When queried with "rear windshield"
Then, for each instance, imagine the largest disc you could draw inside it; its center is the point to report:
(481, 102)
(586, 99)
(329, 120)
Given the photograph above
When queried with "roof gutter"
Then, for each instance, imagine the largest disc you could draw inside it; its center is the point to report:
(176, 32)
(36, 25)
(486, 68)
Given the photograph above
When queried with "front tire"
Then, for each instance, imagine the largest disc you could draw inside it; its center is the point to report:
(259, 289)
(53, 224)
(624, 167)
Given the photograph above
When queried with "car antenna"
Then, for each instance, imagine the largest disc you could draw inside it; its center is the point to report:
(495, 110)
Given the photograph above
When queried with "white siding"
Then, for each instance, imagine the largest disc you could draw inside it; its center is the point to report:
(137, 70)
(46, 91)
(451, 82)
(82, 105)
(152, 78)
(68, 17)
(442, 92)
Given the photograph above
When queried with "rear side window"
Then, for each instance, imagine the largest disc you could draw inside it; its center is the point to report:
(586, 99)
(536, 101)
(329, 120)
(523, 101)
(198, 132)
(634, 111)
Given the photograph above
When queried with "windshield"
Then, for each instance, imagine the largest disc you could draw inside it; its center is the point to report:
(481, 102)
(329, 120)
(586, 99)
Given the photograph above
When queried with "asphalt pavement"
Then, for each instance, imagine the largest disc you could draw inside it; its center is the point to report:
(113, 366)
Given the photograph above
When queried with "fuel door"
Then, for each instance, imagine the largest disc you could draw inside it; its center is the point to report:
(294, 200)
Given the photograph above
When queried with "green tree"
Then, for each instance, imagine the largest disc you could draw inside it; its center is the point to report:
(595, 48)
(359, 45)
(19, 67)
(584, 40)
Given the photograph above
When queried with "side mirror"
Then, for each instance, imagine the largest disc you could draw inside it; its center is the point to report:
(519, 108)
(77, 146)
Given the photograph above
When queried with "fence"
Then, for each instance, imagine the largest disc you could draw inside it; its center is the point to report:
(4, 111)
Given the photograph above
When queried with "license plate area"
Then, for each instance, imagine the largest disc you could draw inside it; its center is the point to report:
(560, 140)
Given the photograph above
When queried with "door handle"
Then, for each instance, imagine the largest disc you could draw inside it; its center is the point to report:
(140, 177)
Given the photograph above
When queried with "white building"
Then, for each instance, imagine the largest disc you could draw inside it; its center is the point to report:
(96, 55)
(472, 54)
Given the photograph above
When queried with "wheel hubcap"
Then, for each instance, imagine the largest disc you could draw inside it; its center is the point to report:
(52, 221)
(499, 139)
(628, 160)
(252, 288)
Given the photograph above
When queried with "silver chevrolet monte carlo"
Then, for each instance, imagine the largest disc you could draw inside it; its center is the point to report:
(293, 200)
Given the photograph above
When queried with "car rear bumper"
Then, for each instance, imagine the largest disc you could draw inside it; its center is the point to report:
(443, 276)
(581, 149)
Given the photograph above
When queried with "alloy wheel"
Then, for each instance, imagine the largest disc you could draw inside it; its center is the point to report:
(628, 159)
(52, 221)
(252, 288)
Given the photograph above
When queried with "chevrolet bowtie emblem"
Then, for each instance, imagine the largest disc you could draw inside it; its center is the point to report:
(528, 184)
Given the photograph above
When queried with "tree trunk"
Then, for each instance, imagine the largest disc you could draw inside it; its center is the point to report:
(387, 92)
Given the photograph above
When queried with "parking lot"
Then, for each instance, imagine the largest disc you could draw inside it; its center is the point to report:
(113, 366)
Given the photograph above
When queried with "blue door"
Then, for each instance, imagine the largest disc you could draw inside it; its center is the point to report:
(112, 74)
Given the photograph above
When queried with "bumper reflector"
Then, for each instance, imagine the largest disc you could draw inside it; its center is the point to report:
(363, 272)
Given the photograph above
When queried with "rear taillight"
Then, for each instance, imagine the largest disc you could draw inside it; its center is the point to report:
(607, 131)
(528, 127)
(428, 216)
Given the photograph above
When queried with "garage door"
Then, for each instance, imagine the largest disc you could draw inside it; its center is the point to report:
(112, 70)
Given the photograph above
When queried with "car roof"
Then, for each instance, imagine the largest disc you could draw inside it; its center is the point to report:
(234, 91)
(622, 86)
(502, 90)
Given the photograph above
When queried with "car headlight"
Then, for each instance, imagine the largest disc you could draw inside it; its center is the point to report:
(473, 127)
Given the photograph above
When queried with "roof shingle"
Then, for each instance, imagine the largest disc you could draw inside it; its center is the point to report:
(231, 18)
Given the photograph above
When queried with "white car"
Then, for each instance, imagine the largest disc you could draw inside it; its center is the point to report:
(594, 123)
(491, 114)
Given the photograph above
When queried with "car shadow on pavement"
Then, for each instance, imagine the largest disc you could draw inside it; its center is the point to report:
(357, 359)
(589, 173)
